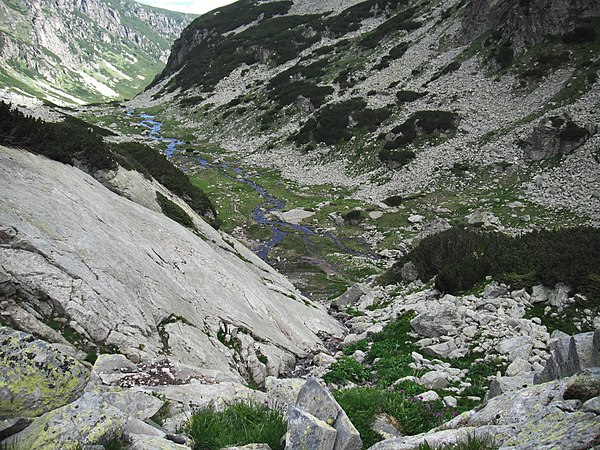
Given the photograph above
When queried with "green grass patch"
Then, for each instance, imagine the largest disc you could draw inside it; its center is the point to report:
(414, 416)
(239, 424)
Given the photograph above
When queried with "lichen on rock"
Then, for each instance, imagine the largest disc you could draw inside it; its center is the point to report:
(35, 377)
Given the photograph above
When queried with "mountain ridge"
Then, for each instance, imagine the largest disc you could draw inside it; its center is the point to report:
(83, 51)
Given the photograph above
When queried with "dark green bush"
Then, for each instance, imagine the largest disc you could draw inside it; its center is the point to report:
(71, 142)
(401, 157)
(353, 215)
(331, 123)
(460, 258)
(151, 162)
(394, 200)
(174, 212)
(581, 35)
(400, 21)
(504, 56)
(409, 96)
(573, 132)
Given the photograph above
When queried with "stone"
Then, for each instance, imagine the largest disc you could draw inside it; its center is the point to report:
(450, 402)
(494, 290)
(314, 399)
(547, 139)
(250, 447)
(539, 294)
(484, 219)
(559, 296)
(435, 380)
(501, 385)
(355, 295)
(8, 427)
(88, 420)
(434, 440)
(428, 396)
(282, 392)
(518, 367)
(198, 395)
(135, 426)
(294, 216)
(359, 356)
(409, 271)
(141, 442)
(441, 350)
(7, 288)
(317, 401)
(323, 359)
(583, 386)
(305, 431)
(592, 405)
(516, 347)
(134, 403)
(386, 426)
(34, 377)
(437, 323)
(416, 218)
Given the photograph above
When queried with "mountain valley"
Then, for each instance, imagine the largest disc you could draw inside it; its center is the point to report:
(383, 232)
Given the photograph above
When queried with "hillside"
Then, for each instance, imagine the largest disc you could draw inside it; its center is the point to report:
(385, 234)
(82, 51)
(416, 115)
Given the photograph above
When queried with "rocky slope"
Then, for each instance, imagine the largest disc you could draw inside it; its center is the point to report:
(120, 276)
(488, 63)
(83, 51)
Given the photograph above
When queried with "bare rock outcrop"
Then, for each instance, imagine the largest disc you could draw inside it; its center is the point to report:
(124, 276)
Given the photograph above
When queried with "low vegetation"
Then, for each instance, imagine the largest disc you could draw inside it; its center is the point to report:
(460, 258)
(340, 121)
(173, 211)
(75, 142)
(239, 424)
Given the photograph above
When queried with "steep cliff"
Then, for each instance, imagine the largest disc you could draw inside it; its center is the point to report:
(72, 52)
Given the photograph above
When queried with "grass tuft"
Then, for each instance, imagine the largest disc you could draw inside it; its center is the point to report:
(239, 424)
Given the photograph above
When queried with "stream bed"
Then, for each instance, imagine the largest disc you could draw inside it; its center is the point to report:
(262, 213)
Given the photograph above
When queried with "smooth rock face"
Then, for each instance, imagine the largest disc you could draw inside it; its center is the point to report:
(305, 431)
(34, 377)
(88, 420)
(121, 272)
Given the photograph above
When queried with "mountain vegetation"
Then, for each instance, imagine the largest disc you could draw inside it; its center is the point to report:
(70, 53)
(75, 142)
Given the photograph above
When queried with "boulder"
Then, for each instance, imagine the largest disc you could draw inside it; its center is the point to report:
(555, 136)
(283, 392)
(501, 385)
(386, 426)
(88, 420)
(306, 431)
(317, 401)
(435, 380)
(518, 367)
(121, 272)
(142, 442)
(516, 347)
(438, 322)
(34, 377)
(355, 295)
